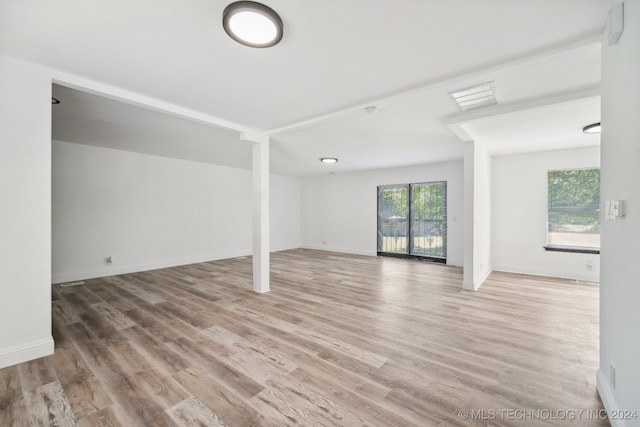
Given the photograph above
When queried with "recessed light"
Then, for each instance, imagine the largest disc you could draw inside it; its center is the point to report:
(252, 24)
(592, 128)
(329, 160)
(54, 101)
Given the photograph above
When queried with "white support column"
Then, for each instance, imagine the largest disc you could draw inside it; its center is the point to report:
(260, 211)
(468, 272)
(477, 215)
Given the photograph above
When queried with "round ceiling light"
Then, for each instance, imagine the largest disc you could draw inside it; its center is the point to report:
(592, 128)
(252, 24)
(329, 160)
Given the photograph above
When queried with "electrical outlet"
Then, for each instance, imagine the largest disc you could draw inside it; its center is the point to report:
(612, 375)
(589, 265)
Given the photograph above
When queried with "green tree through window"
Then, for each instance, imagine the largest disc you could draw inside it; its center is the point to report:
(412, 220)
(573, 209)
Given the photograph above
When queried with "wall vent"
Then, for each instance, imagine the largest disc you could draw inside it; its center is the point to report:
(475, 97)
(66, 285)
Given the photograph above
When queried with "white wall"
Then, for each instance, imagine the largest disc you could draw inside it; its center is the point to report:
(25, 212)
(285, 212)
(620, 177)
(519, 206)
(151, 212)
(477, 217)
(339, 212)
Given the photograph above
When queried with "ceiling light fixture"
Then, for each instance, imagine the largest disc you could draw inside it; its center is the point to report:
(329, 160)
(592, 128)
(54, 101)
(252, 24)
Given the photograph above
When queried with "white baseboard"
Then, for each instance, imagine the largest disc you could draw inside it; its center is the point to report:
(285, 248)
(453, 263)
(24, 353)
(468, 286)
(477, 282)
(606, 395)
(547, 273)
(135, 268)
(484, 277)
(340, 250)
(115, 270)
(126, 269)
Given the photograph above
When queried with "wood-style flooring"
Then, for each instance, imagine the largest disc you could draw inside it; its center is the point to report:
(341, 340)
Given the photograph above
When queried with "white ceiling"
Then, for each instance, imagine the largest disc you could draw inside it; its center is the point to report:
(551, 127)
(95, 120)
(309, 91)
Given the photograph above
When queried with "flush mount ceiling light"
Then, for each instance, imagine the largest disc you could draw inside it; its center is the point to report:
(592, 128)
(252, 24)
(475, 97)
(54, 101)
(329, 160)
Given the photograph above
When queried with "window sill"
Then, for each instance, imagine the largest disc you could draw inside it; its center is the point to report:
(572, 249)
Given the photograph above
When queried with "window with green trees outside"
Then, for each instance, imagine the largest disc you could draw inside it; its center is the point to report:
(573, 209)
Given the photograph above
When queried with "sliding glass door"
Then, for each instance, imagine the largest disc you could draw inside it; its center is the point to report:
(412, 220)
(429, 220)
(393, 217)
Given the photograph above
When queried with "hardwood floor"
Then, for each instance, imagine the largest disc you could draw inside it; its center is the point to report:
(341, 340)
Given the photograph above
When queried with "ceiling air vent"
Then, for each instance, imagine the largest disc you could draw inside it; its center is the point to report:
(475, 97)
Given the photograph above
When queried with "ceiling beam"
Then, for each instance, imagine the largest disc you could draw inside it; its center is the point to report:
(592, 39)
(83, 84)
(456, 122)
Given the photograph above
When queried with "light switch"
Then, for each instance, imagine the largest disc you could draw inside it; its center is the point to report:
(613, 209)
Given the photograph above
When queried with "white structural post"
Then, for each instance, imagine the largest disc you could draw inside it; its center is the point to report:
(260, 211)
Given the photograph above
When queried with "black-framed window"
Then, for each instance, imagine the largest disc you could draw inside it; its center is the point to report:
(573, 210)
(412, 220)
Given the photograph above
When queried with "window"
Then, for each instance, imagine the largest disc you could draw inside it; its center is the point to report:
(412, 220)
(573, 210)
